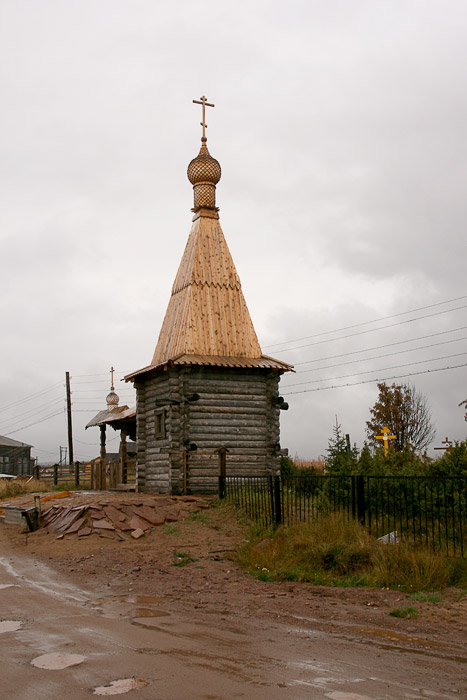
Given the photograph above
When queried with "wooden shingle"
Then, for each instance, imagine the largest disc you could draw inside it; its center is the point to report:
(207, 313)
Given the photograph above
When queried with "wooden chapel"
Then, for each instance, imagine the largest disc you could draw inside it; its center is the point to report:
(210, 398)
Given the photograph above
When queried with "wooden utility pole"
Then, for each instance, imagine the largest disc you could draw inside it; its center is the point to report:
(68, 411)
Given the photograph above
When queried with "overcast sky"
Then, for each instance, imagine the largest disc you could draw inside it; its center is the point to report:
(340, 128)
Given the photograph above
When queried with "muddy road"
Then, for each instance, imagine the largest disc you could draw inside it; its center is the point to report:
(105, 618)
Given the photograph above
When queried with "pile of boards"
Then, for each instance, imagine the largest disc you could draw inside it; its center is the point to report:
(117, 520)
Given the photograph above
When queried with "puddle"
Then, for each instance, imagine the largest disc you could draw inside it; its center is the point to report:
(119, 687)
(10, 626)
(147, 612)
(395, 636)
(130, 598)
(149, 622)
(57, 661)
(339, 695)
(39, 576)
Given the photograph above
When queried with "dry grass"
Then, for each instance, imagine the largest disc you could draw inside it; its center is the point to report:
(317, 464)
(9, 488)
(336, 551)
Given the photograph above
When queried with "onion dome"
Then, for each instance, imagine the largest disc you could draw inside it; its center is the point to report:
(204, 172)
(112, 399)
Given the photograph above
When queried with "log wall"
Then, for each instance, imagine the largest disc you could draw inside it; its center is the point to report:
(234, 411)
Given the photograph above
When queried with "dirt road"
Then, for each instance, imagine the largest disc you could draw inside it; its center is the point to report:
(129, 612)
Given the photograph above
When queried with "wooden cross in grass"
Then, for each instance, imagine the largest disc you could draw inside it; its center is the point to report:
(386, 437)
(202, 101)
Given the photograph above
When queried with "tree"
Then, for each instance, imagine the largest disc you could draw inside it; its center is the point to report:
(341, 457)
(406, 413)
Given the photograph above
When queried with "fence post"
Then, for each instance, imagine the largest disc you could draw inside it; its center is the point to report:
(271, 497)
(222, 470)
(222, 486)
(277, 500)
(361, 498)
(354, 502)
(55, 474)
(76, 473)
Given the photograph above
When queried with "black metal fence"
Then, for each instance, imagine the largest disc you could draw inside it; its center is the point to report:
(428, 510)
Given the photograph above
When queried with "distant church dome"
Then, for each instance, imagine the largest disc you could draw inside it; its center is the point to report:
(112, 400)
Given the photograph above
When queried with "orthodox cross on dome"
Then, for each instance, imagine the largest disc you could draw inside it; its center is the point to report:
(203, 101)
(386, 437)
(112, 375)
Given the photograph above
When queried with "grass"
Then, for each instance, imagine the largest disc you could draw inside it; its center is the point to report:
(171, 529)
(182, 559)
(408, 611)
(427, 597)
(9, 488)
(198, 516)
(335, 551)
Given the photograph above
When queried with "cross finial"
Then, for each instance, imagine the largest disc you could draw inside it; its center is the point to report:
(112, 375)
(203, 101)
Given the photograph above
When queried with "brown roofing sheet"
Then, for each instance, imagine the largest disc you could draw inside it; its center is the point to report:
(128, 414)
(107, 416)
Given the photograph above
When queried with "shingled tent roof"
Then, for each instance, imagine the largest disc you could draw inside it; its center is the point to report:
(207, 321)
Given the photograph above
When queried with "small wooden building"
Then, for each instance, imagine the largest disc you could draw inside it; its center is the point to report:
(15, 457)
(120, 418)
(209, 396)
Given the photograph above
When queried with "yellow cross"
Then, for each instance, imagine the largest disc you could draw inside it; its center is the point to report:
(202, 101)
(386, 437)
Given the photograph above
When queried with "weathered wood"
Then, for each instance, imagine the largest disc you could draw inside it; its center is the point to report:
(234, 411)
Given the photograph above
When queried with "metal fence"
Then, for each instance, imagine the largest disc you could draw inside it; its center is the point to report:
(428, 510)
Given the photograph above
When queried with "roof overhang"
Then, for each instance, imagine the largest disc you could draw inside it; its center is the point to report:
(117, 415)
(264, 362)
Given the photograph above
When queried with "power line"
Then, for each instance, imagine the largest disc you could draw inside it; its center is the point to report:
(45, 407)
(378, 357)
(372, 381)
(52, 415)
(380, 347)
(373, 330)
(381, 369)
(31, 396)
(366, 323)
(100, 374)
(87, 392)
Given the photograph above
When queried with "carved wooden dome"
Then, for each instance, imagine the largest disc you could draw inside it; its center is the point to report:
(204, 172)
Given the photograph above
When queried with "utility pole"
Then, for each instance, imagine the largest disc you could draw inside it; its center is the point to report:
(68, 410)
